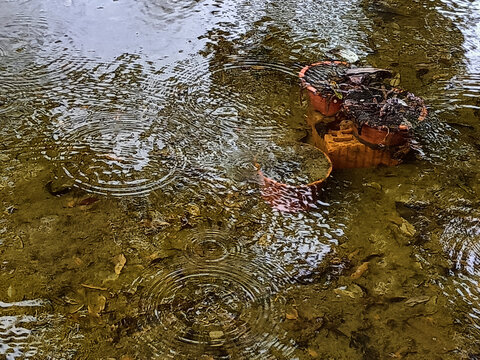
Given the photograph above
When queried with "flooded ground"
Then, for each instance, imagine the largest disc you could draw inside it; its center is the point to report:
(132, 224)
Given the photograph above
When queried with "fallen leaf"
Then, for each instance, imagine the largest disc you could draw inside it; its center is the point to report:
(360, 270)
(120, 262)
(336, 261)
(113, 157)
(10, 291)
(77, 261)
(87, 201)
(77, 308)
(353, 254)
(291, 314)
(111, 277)
(353, 291)
(396, 80)
(258, 67)
(152, 226)
(153, 256)
(96, 304)
(127, 357)
(417, 300)
(373, 185)
(71, 203)
(264, 241)
(407, 228)
(312, 353)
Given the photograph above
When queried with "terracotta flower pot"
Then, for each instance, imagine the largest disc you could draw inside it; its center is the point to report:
(382, 136)
(322, 100)
(385, 124)
(292, 198)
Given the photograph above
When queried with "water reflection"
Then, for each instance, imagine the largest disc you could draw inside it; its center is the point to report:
(14, 336)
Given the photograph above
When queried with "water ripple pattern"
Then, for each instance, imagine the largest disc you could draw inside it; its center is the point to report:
(211, 246)
(461, 241)
(466, 15)
(37, 57)
(116, 153)
(168, 11)
(216, 301)
(19, 326)
(15, 334)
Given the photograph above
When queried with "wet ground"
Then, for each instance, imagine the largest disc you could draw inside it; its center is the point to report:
(132, 224)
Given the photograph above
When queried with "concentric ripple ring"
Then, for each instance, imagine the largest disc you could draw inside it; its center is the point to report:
(117, 153)
(221, 309)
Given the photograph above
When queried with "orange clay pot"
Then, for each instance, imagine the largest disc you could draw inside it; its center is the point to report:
(326, 104)
(289, 198)
(382, 136)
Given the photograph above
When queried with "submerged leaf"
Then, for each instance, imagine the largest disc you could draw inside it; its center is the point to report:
(96, 304)
(360, 270)
(120, 262)
(88, 201)
(312, 353)
(396, 80)
(291, 314)
(417, 300)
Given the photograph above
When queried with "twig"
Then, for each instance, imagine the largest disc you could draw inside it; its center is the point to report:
(94, 287)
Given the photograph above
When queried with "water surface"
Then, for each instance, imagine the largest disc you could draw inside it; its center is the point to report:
(133, 225)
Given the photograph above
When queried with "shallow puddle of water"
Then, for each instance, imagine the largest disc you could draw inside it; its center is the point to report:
(133, 223)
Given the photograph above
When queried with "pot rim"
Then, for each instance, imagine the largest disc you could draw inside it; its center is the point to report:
(303, 71)
(300, 186)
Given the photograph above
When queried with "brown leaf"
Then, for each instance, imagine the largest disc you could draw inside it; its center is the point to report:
(127, 357)
(96, 304)
(360, 270)
(77, 261)
(120, 262)
(87, 201)
(353, 254)
(291, 314)
(71, 203)
(417, 300)
(312, 353)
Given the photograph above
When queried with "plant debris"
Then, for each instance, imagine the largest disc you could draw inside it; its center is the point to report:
(291, 314)
(96, 304)
(384, 106)
(417, 300)
(120, 262)
(360, 270)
